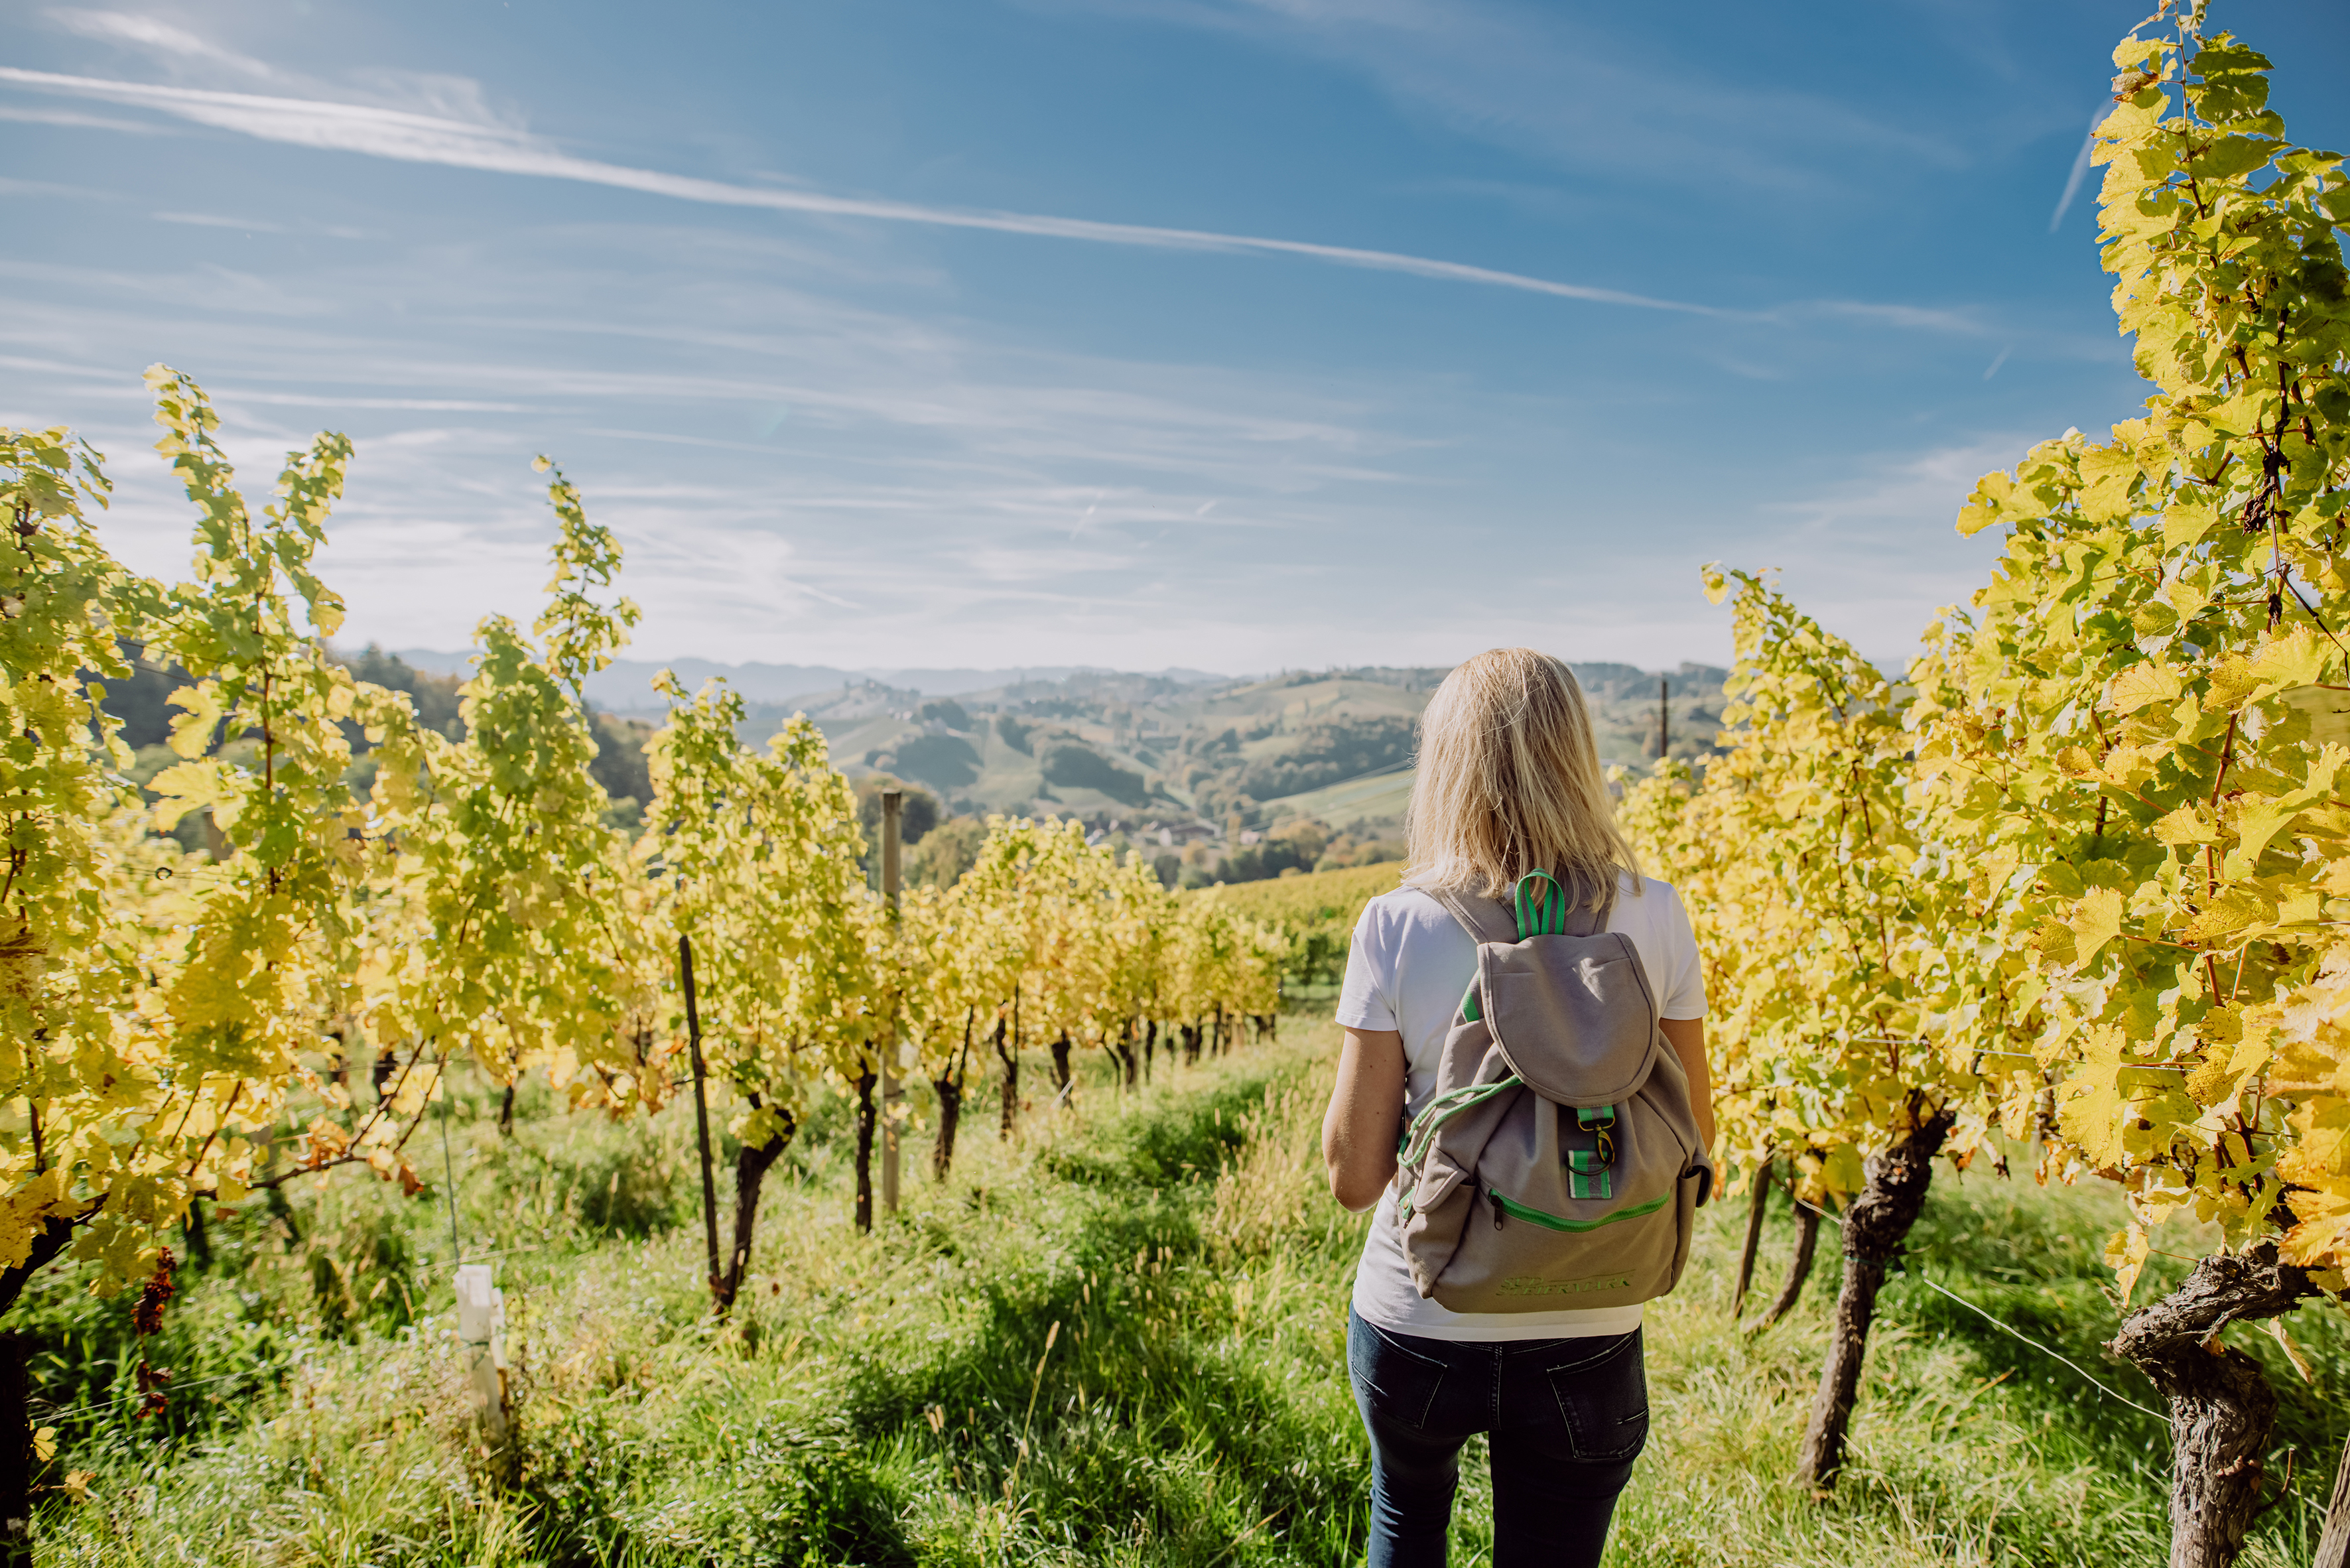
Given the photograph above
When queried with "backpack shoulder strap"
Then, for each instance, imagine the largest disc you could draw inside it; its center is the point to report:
(1484, 919)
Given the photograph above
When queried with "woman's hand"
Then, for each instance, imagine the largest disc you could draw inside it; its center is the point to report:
(1365, 1121)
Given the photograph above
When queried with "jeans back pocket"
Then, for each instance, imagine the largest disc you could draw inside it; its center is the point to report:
(1604, 1397)
(1400, 1384)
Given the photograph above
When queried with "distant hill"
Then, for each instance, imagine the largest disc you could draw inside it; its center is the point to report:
(1174, 756)
(626, 686)
(1147, 752)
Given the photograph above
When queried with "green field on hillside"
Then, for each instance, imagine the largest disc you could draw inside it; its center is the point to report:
(1115, 1339)
(1143, 750)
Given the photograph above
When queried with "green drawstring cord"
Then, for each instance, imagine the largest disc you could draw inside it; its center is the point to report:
(1442, 1109)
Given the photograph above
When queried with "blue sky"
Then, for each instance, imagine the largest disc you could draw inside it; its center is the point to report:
(1232, 334)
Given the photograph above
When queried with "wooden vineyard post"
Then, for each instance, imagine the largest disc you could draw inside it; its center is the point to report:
(481, 1331)
(893, 809)
(2334, 1542)
(16, 1456)
(1664, 719)
(701, 1115)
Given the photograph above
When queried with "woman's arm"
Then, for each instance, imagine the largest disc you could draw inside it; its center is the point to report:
(1366, 1116)
(1687, 1037)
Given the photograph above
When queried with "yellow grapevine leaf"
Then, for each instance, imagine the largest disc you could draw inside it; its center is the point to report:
(2096, 920)
(2188, 520)
(2184, 825)
(45, 1444)
(2126, 1251)
(2140, 685)
(191, 732)
(2207, 1084)
(2292, 1351)
(2231, 911)
(2260, 822)
(2233, 680)
(2296, 658)
(2108, 472)
(2092, 1104)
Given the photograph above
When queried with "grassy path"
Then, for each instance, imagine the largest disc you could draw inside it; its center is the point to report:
(1118, 1340)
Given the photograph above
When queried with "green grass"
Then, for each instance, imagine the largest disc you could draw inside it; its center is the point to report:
(904, 1398)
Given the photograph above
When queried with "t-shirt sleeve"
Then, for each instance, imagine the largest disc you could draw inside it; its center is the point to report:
(1367, 1000)
(1684, 985)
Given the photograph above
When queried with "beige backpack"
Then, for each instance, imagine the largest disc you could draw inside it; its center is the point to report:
(1559, 1164)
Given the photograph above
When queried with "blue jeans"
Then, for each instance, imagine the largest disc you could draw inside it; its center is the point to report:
(1566, 1418)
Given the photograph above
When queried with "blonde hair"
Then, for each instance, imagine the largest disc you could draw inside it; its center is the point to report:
(1508, 782)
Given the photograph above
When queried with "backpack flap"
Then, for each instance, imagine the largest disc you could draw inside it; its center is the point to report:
(1574, 1015)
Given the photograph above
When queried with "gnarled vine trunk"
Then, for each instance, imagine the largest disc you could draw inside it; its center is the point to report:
(1875, 1226)
(191, 1232)
(865, 1148)
(1758, 1205)
(1010, 1057)
(948, 1085)
(750, 1167)
(1799, 1267)
(53, 1238)
(1061, 1060)
(949, 1089)
(2222, 1406)
(16, 1456)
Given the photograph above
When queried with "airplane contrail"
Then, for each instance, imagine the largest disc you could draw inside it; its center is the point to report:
(426, 139)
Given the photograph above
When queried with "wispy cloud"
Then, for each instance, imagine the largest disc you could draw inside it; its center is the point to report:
(1923, 318)
(174, 46)
(1550, 82)
(23, 116)
(412, 138)
(1876, 554)
(215, 221)
(2080, 165)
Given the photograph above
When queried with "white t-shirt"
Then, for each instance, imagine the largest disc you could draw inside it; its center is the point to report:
(1407, 969)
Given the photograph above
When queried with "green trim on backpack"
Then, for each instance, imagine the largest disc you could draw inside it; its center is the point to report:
(1541, 913)
(1443, 1108)
(1517, 1210)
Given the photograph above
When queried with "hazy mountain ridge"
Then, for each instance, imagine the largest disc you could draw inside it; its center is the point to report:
(1227, 779)
(1150, 752)
(626, 687)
